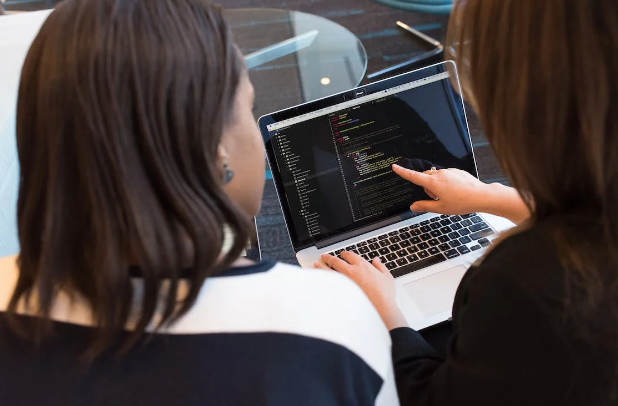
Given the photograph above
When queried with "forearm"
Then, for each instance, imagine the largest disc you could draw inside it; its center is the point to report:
(505, 202)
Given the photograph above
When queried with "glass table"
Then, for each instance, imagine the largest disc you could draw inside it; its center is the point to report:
(295, 57)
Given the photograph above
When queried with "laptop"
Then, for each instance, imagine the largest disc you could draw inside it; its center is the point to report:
(331, 164)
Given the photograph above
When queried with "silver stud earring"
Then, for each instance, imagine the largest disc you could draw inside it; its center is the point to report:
(228, 174)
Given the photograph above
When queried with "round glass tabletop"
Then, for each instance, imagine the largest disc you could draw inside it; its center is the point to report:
(295, 57)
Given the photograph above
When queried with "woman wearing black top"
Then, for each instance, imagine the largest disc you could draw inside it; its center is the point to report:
(536, 321)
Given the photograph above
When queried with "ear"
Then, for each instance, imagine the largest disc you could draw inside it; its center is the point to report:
(221, 153)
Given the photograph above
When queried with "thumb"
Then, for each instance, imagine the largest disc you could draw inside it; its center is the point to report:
(426, 206)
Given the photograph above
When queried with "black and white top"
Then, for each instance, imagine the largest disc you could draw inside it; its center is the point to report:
(267, 334)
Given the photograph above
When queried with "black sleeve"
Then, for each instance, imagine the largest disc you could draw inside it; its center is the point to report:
(506, 348)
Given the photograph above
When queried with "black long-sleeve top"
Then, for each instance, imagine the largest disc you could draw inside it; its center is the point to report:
(514, 342)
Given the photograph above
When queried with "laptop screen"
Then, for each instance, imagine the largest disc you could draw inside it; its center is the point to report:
(332, 165)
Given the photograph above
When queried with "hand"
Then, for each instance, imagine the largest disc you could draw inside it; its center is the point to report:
(374, 279)
(457, 192)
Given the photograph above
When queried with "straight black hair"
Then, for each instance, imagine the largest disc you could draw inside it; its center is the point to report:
(122, 105)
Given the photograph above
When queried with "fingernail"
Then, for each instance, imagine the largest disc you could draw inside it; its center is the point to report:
(324, 256)
(395, 166)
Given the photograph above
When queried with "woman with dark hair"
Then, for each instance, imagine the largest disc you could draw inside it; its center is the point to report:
(141, 169)
(535, 322)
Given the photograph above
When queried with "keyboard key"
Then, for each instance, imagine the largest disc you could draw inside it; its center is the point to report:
(413, 250)
(383, 237)
(401, 261)
(455, 219)
(354, 251)
(433, 242)
(466, 223)
(361, 244)
(413, 226)
(391, 257)
(372, 240)
(383, 260)
(373, 254)
(444, 247)
(425, 229)
(415, 232)
(415, 240)
(350, 247)
(478, 227)
(405, 236)
(476, 219)
(374, 246)
(366, 257)
(444, 238)
(405, 244)
(435, 226)
(455, 243)
(415, 266)
(464, 231)
(433, 220)
(481, 234)
(467, 216)
(385, 243)
(403, 229)
(384, 251)
(391, 265)
(402, 253)
(436, 233)
(484, 242)
(463, 249)
(413, 258)
(363, 250)
(433, 250)
(475, 247)
(451, 254)
(426, 237)
(445, 222)
(465, 240)
(423, 254)
(446, 230)
(393, 233)
(394, 239)
(394, 247)
(456, 226)
(423, 246)
(338, 252)
(424, 223)
(454, 235)
(444, 216)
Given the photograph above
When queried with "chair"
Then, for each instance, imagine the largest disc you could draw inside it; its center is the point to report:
(422, 6)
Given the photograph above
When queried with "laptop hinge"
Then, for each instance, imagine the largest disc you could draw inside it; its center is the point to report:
(367, 229)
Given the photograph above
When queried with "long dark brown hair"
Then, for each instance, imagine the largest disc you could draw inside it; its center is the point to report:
(122, 105)
(543, 76)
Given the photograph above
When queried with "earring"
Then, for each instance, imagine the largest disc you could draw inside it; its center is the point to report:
(228, 174)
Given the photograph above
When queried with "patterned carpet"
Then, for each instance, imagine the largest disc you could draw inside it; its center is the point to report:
(374, 25)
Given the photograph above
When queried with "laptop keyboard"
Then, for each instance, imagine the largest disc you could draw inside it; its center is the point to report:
(411, 248)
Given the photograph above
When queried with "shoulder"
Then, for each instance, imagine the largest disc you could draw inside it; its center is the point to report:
(522, 274)
(528, 257)
(288, 299)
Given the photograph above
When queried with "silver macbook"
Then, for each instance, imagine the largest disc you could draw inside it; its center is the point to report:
(331, 162)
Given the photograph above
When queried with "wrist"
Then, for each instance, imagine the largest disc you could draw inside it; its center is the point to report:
(392, 317)
(504, 201)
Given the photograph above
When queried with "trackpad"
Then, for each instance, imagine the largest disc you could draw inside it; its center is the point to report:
(435, 294)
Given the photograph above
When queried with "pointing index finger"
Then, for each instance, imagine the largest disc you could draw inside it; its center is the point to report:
(415, 177)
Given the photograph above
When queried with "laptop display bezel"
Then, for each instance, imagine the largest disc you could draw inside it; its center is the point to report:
(292, 112)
